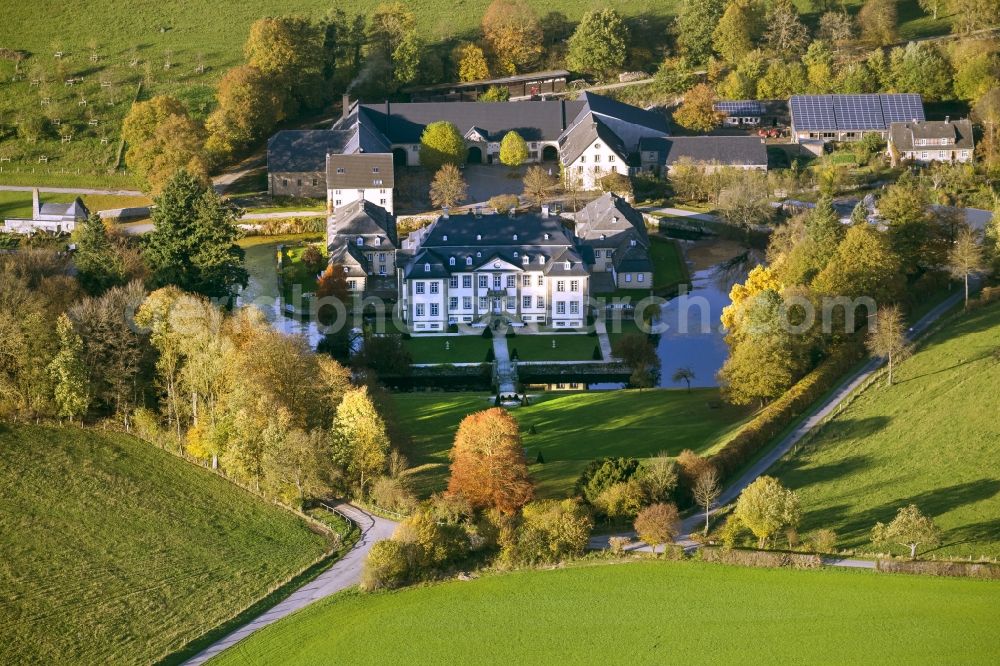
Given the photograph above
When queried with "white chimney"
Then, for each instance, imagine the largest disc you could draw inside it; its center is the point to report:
(545, 210)
(36, 207)
(444, 212)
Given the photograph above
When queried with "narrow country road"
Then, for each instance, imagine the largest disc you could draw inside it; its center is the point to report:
(344, 573)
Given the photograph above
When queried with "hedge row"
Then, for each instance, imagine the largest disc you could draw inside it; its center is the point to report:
(773, 419)
(286, 225)
(930, 568)
(760, 558)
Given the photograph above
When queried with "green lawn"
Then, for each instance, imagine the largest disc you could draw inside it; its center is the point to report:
(18, 204)
(448, 349)
(571, 430)
(555, 347)
(931, 439)
(646, 613)
(117, 552)
(668, 263)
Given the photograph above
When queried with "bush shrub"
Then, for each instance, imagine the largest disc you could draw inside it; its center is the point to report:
(603, 473)
(777, 416)
(549, 531)
(618, 544)
(392, 494)
(760, 558)
(386, 567)
(930, 568)
(823, 541)
(431, 544)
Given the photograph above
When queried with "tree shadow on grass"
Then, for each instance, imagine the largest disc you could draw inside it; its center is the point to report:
(982, 532)
(939, 371)
(932, 503)
(799, 474)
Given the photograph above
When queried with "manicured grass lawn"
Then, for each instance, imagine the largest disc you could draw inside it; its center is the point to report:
(568, 347)
(448, 349)
(117, 552)
(571, 430)
(930, 439)
(646, 613)
(18, 204)
(668, 263)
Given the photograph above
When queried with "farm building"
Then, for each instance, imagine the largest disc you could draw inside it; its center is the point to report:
(817, 119)
(660, 155)
(51, 217)
(741, 113)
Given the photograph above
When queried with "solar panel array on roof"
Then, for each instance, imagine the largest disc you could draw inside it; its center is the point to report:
(741, 107)
(854, 112)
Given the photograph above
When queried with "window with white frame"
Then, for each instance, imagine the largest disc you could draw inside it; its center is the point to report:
(466, 302)
(483, 303)
(574, 307)
(435, 287)
(525, 280)
(484, 282)
(466, 281)
(434, 309)
(420, 309)
(453, 303)
(574, 285)
(497, 281)
(641, 277)
(560, 285)
(453, 282)
(541, 280)
(541, 302)
(419, 287)
(511, 281)
(561, 307)
(526, 302)
(511, 302)
(628, 277)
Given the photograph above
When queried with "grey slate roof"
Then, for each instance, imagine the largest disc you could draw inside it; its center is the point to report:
(302, 151)
(633, 259)
(365, 220)
(902, 135)
(606, 106)
(727, 150)
(495, 237)
(359, 171)
(583, 135)
(613, 218)
(533, 120)
(76, 210)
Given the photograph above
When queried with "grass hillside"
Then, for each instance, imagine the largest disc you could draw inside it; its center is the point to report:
(931, 439)
(571, 429)
(117, 552)
(646, 613)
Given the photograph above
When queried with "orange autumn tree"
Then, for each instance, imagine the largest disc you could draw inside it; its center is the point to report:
(487, 462)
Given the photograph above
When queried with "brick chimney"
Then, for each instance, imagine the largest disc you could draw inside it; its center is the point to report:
(345, 102)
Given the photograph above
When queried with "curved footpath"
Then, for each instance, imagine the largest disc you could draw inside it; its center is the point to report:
(818, 414)
(344, 573)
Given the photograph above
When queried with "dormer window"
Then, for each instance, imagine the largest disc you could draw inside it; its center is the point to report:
(377, 181)
(378, 241)
(567, 265)
(479, 237)
(444, 237)
(515, 255)
(451, 261)
(360, 241)
(427, 268)
(341, 170)
(515, 236)
(468, 261)
(541, 259)
(479, 255)
(547, 236)
(525, 260)
(603, 237)
(632, 242)
(614, 220)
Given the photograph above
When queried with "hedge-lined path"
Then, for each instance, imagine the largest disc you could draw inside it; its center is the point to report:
(344, 573)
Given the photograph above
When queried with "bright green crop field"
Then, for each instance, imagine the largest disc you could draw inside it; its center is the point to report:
(646, 613)
(931, 439)
(117, 552)
(571, 429)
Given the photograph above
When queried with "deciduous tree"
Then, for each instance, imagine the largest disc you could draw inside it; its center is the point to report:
(513, 149)
(441, 143)
(360, 440)
(877, 20)
(448, 187)
(696, 22)
(765, 507)
(249, 106)
(512, 31)
(786, 35)
(69, 373)
(684, 374)
(487, 462)
(162, 138)
(706, 491)
(658, 524)
(472, 65)
(539, 185)
(600, 43)
(887, 337)
(736, 32)
(910, 528)
(965, 258)
(697, 113)
(636, 352)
